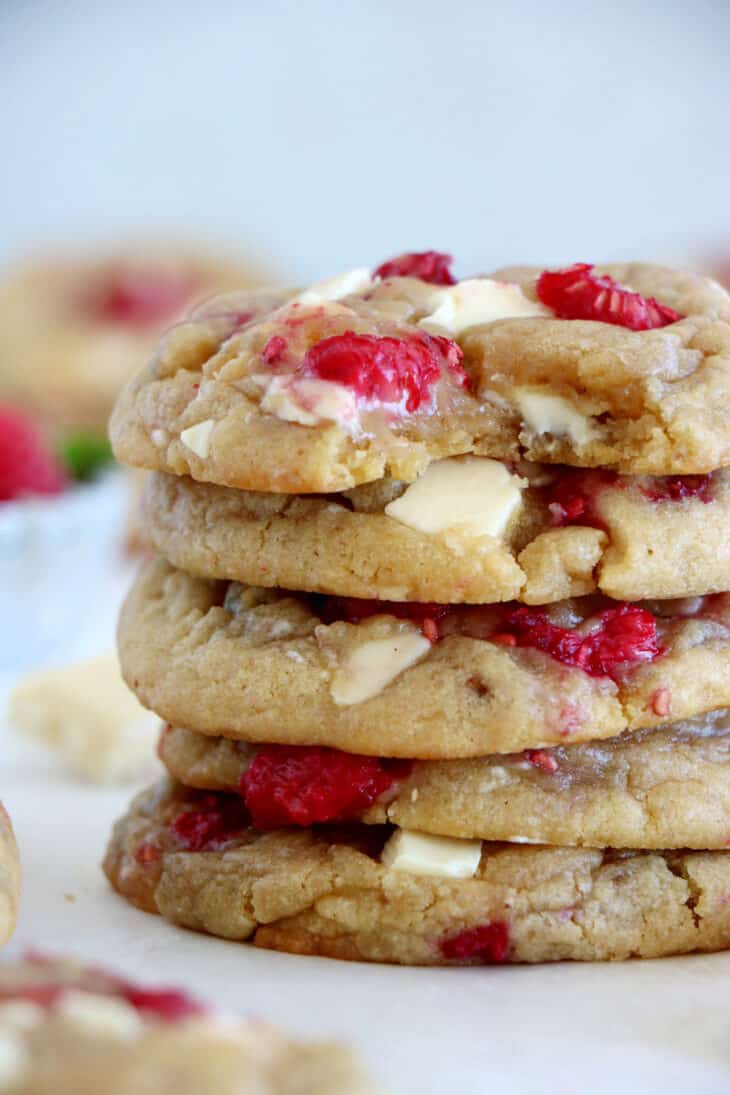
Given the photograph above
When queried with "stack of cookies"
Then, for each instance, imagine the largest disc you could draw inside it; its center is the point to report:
(439, 628)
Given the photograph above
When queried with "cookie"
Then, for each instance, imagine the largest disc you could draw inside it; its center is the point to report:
(470, 530)
(86, 715)
(74, 329)
(9, 878)
(659, 788)
(438, 682)
(66, 1028)
(328, 892)
(358, 379)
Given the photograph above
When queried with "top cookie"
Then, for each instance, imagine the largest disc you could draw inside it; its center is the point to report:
(366, 376)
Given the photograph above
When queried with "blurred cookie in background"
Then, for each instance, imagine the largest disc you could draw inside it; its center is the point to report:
(66, 1027)
(9, 878)
(87, 717)
(75, 328)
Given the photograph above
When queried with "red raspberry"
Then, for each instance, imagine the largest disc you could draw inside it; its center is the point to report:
(675, 488)
(571, 497)
(485, 943)
(431, 266)
(215, 820)
(576, 293)
(274, 349)
(625, 635)
(170, 1005)
(386, 370)
(542, 758)
(27, 464)
(140, 298)
(310, 785)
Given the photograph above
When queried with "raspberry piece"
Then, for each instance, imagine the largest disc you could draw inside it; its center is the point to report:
(140, 298)
(27, 464)
(571, 498)
(310, 785)
(675, 488)
(431, 266)
(623, 636)
(147, 853)
(485, 943)
(354, 609)
(274, 349)
(215, 820)
(661, 702)
(542, 758)
(386, 370)
(576, 293)
(170, 1005)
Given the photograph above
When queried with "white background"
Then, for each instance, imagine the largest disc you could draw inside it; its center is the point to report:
(331, 134)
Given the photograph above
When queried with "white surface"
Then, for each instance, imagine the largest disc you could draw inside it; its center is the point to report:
(330, 134)
(659, 1026)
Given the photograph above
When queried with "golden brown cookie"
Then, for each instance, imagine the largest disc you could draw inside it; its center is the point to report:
(470, 530)
(75, 328)
(358, 379)
(9, 878)
(327, 892)
(265, 665)
(661, 788)
(67, 1029)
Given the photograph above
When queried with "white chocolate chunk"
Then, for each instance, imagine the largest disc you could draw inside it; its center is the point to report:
(471, 492)
(14, 1059)
(344, 285)
(443, 856)
(307, 400)
(197, 437)
(553, 414)
(108, 1016)
(366, 670)
(20, 1015)
(480, 300)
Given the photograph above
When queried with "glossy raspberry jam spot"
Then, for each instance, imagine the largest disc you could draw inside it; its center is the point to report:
(214, 820)
(622, 636)
(573, 495)
(485, 944)
(431, 266)
(399, 372)
(137, 298)
(676, 488)
(542, 758)
(577, 293)
(312, 785)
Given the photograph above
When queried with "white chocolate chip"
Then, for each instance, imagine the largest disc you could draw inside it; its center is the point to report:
(344, 285)
(197, 437)
(496, 776)
(367, 669)
(159, 438)
(20, 1015)
(480, 300)
(472, 492)
(308, 401)
(553, 414)
(443, 856)
(108, 1016)
(14, 1059)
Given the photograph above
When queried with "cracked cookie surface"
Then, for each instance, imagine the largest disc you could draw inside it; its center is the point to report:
(568, 534)
(326, 892)
(264, 665)
(66, 1028)
(667, 787)
(9, 877)
(524, 383)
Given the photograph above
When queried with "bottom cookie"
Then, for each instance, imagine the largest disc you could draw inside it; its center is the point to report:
(195, 859)
(66, 1029)
(9, 878)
